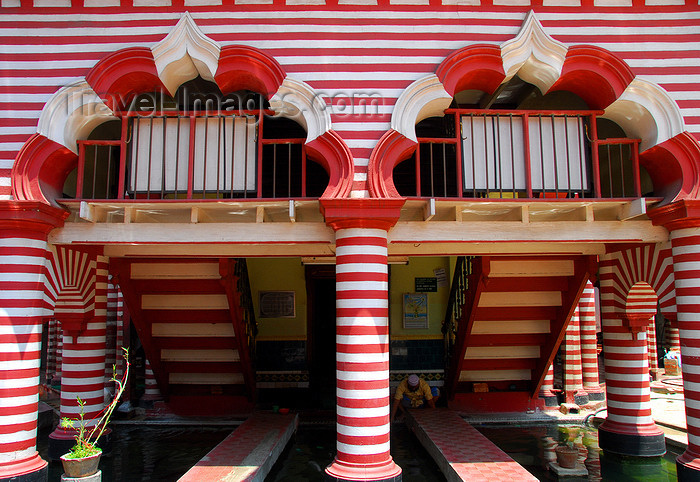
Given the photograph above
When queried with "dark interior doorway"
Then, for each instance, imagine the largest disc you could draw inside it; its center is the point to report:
(320, 289)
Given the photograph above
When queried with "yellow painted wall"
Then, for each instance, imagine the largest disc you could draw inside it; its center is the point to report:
(279, 274)
(402, 280)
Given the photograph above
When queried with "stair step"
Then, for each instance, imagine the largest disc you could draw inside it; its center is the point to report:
(209, 355)
(192, 330)
(203, 317)
(201, 367)
(189, 286)
(201, 343)
(205, 378)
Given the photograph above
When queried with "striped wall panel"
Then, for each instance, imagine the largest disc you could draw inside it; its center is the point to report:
(358, 57)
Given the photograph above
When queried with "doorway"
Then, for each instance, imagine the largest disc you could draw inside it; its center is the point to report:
(320, 289)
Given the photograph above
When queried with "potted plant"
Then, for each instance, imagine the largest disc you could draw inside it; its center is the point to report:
(567, 453)
(84, 457)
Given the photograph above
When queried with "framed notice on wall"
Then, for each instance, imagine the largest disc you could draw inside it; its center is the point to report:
(277, 304)
(415, 310)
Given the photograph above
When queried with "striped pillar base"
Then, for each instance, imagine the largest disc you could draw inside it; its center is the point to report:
(151, 393)
(362, 358)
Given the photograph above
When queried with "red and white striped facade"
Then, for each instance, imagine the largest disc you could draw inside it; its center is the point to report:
(362, 73)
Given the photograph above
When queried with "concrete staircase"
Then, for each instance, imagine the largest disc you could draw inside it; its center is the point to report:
(513, 319)
(189, 318)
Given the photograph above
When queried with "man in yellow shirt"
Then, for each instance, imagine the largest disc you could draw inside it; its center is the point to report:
(414, 392)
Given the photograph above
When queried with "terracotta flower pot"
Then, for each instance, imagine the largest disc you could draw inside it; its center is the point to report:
(83, 467)
(566, 456)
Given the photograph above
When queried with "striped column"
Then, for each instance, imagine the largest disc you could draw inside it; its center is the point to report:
(24, 304)
(151, 393)
(629, 428)
(362, 357)
(111, 336)
(83, 351)
(672, 338)
(546, 393)
(573, 373)
(589, 343)
(686, 266)
(51, 346)
(59, 354)
(651, 347)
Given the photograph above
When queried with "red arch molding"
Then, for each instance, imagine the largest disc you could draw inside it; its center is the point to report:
(391, 149)
(477, 67)
(42, 164)
(596, 75)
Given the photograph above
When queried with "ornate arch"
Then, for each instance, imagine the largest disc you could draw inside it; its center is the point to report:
(604, 81)
(185, 53)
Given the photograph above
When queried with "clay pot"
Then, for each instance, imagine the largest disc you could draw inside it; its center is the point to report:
(566, 456)
(83, 467)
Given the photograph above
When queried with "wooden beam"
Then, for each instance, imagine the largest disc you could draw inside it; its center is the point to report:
(632, 209)
(429, 209)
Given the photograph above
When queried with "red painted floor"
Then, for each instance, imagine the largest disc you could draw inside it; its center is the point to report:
(459, 449)
(250, 451)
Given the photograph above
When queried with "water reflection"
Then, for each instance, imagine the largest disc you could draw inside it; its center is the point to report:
(148, 453)
(533, 448)
(164, 453)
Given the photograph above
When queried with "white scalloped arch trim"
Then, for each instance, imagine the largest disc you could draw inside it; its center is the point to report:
(298, 101)
(424, 98)
(184, 54)
(646, 111)
(533, 55)
(72, 113)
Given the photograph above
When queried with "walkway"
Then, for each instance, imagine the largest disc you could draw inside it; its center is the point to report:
(460, 451)
(249, 452)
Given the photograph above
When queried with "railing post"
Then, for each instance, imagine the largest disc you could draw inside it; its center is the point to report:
(122, 157)
(526, 148)
(458, 155)
(635, 168)
(81, 171)
(190, 158)
(594, 157)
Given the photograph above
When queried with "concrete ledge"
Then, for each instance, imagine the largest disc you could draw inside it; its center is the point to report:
(249, 452)
(461, 451)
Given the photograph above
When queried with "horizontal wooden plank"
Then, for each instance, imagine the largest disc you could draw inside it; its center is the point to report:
(539, 267)
(521, 298)
(502, 352)
(184, 302)
(484, 327)
(193, 329)
(206, 378)
(172, 354)
(494, 375)
(203, 270)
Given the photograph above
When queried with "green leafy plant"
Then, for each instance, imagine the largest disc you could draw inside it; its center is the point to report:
(86, 438)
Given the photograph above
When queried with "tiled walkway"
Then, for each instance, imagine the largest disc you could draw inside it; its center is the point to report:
(460, 451)
(249, 452)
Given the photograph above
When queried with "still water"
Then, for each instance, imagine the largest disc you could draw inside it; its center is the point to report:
(164, 453)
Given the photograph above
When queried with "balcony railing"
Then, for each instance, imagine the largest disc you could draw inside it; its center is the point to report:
(526, 154)
(191, 155)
